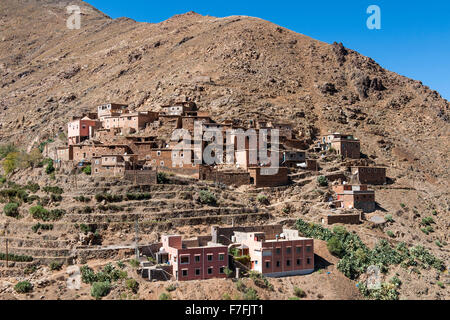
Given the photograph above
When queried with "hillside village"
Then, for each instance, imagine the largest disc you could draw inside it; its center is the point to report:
(113, 151)
(99, 200)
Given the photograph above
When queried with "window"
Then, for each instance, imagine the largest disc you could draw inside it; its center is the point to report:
(221, 257)
(158, 153)
(210, 270)
(278, 263)
(267, 264)
(210, 257)
(161, 163)
(221, 270)
(298, 249)
(288, 262)
(308, 261)
(197, 272)
(288, 250)
(184, 272)
(184, 259)
(299, 262)
(278, 250)
(197, 258)
(308, 249)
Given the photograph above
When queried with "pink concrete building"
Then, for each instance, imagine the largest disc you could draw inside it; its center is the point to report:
(194, 259)
(81, 129)
(285, 255)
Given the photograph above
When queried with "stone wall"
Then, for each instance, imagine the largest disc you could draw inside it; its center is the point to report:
(348, 218)
(141, 176)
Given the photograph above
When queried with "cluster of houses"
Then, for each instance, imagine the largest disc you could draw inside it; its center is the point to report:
(116, 141)
(269, 250)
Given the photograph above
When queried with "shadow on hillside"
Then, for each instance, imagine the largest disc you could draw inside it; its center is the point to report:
(378, 207)
(320, 262)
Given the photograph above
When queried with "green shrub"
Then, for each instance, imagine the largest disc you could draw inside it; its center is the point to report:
(162, 178)
(33, 187)
(251, 294)
(30, 270)
(240, 286)
(388, 218)
(49, 169)
(335, 247)
(402, 205)
(299, 292)
(56, 265)
(38, 212)
(226, 296)
(138, 196)
(53, 189)
(390, 233)
(427, 221)
(323, 181)
(56, 197)
(133, 285)
(171, 287)
(39, 226)
(82, 199)
(11, 209)
(165, 296)
(88, 275)
(262, 199)
(440, 284)
(2, 179)
(438, 243)
(100, 289)
(228, 272)
(7, 149)
(16, 257)
(396, 281)
(206, 197)
(23, 287)
(108, 197)
(87, 170)
(294, 298)
(134, 263)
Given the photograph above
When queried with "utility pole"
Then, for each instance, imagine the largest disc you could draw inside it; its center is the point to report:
(6, 242)
(136, 228)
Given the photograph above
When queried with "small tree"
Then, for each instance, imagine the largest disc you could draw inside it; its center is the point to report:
(133, 285)
(23, 287)
(323, 181)
(87, 170)
(162, 178)
(56, 265)
(335, 247)
(11, 209)
(207, 197)
(50, 168)
(165, 296)
(100, 289)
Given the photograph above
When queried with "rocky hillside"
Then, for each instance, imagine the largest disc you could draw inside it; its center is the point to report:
(236, 67)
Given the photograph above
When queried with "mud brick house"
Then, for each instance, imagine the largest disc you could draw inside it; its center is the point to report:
(369, 175)
(292, 158)
(355, 196)
(344, 144)
(110, 109)
(136, 121)
(110, 165)
(193, 259)
(79, 130)
(286, 254)
(189, 122)
(173, 161)
(179, 108)
(64, 153)
(224, 175)
(87, 151)
(268, 177)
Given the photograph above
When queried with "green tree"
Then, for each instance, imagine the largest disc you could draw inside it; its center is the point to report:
(11, 209)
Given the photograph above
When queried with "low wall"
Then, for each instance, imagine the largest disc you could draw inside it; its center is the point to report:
(141, 176)
(352, 218)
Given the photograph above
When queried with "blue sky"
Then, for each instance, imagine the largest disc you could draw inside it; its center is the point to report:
(414, 39)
